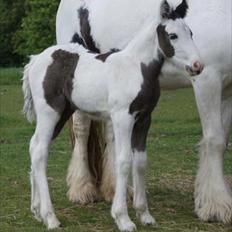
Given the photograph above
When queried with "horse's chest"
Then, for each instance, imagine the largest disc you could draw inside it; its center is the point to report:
(149, 93)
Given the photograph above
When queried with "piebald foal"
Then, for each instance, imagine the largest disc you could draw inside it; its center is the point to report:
(121, 87)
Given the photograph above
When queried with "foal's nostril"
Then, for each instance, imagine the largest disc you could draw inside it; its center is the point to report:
(197, 66)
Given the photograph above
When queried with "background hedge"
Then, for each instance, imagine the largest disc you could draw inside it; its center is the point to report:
(26, 27)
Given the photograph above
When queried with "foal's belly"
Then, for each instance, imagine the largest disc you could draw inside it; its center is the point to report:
(90, 91)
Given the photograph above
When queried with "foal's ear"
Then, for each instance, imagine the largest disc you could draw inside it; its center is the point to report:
(170, 12)
(165, 10)
(182, 9)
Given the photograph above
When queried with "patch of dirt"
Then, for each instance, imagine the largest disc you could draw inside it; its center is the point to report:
(5, 141)
(183, 183)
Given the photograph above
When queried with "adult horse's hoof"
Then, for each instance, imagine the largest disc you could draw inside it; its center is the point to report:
(215, 206)
(84, 194)
(107, 193)
(215, 212)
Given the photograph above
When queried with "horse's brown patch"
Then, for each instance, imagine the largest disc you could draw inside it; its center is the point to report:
(164, 42)
(58, 85)
(145, 102)
(86, 30)
(77, 39)
(104, 56)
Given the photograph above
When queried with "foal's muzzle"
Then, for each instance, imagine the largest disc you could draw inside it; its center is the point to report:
(196, 68)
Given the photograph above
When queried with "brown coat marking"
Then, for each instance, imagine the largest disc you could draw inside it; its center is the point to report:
(164, 42)
(58, 85)
(86, 30)
(145, 102)
(104, 56)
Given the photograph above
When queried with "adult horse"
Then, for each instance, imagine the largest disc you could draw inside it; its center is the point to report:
(103, 25)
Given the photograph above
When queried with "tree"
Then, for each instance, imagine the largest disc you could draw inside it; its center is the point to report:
(11, 14)
(38, 27)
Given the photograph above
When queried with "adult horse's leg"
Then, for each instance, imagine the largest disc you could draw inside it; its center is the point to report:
(213, 199)
(107, 186)
(82, 185)
(227, 115)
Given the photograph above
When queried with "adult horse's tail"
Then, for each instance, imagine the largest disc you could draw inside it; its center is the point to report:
(28, 107)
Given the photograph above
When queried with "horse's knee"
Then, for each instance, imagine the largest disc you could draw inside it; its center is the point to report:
(140, 204)
(123, 165)
(33, 143)
(215, 144)
(140, 161)
(38, 153)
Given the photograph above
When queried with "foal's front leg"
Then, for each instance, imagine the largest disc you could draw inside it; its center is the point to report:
(107, 187)
(138, 139)
(122, 124)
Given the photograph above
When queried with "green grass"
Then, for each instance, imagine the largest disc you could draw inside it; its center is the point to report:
(172, 166)
(10, 76)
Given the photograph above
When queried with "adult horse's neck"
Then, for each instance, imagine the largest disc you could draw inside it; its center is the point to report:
(144, 47)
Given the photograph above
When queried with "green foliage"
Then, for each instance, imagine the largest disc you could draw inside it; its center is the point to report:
(26, 27)
(11, 13)
(38, 27)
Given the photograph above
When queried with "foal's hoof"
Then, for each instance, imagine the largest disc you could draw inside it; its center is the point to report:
(147, 219)
(51, 221)
(123, 221)
(127, 226)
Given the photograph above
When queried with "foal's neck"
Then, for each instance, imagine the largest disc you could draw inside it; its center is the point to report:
(144, 47)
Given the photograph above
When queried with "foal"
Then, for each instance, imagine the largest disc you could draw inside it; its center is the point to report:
(121, 87)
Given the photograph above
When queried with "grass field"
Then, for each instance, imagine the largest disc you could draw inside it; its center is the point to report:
(172, 166)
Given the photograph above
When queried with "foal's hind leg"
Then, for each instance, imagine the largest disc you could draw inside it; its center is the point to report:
(35, 199)
(213, 199)
(82, 188)
(41, 204)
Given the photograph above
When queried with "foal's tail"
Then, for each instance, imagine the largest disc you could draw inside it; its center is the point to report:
(28, 108)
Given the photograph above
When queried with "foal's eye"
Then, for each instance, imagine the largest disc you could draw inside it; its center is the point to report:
(173, 36)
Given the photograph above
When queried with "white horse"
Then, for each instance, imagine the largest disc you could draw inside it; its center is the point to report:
(121, 88)
(104, 25)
